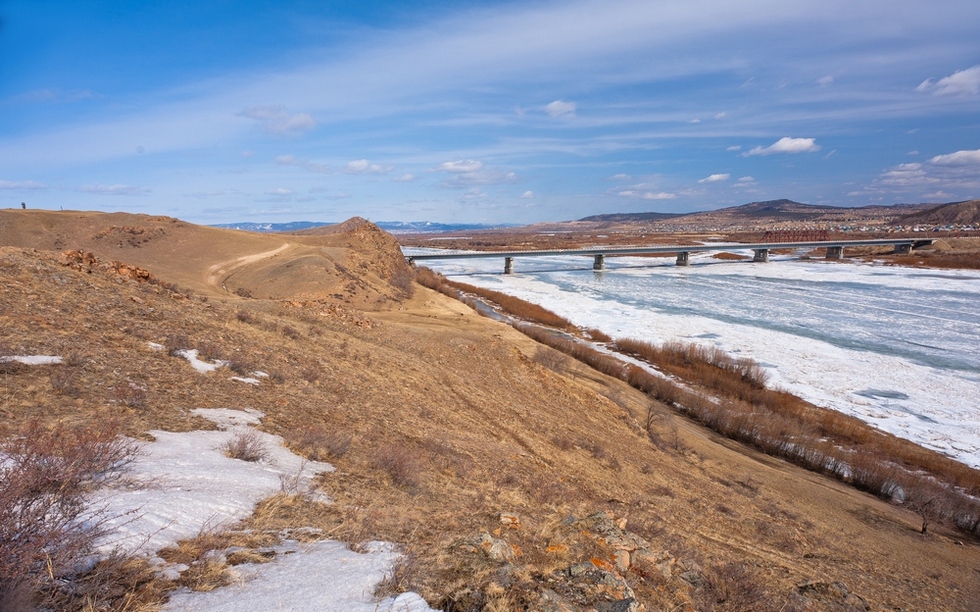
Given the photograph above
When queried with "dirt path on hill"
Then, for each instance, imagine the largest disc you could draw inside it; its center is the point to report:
(219, 272)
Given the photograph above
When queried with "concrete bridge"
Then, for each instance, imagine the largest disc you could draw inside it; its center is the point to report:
(835, 250)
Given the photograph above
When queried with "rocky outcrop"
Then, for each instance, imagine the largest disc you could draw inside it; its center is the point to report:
(88, 262)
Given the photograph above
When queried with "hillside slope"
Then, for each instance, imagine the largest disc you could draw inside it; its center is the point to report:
(443, 424)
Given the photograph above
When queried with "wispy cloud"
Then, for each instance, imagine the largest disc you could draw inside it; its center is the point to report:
(363, 166)
(276, 120)
(404, 178)
(646, 195)
(961, 82)
(115, 190)
(460, 166)
(560, 108)
(786, 145)
(22, 185)
(527, 195)
(312, 166)
(715, 178)
(958, 171)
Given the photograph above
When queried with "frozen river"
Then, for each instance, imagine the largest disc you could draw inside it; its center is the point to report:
(897, 347)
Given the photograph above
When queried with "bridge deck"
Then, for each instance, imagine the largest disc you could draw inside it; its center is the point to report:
(680, 248)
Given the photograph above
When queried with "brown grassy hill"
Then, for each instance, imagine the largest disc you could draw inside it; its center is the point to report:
(957, 213)
(439, 421)
(222, 262)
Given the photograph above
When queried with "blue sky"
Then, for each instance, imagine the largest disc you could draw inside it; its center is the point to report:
(495, 112)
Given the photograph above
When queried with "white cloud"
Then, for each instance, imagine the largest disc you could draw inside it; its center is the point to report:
(246, 153)
(961, 82)
(715, 178)
(694, 121)
(363, 166)
(745, 179)
(734, 148)
(913, 153)
(404, 178)
(560, 108)
(280, 191)
(128, 190)
(32, 185)
(468, 165)
(647, 195)
(527, 195)
(826, 81)
(275, 120)
(466, 173)
(786, 145)
(621, 177)
(312, 166)
(960, 158)
(949, 173)
(721, 115)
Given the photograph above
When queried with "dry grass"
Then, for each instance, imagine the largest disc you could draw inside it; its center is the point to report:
(246, 445)
(47, 528)
(466, 396)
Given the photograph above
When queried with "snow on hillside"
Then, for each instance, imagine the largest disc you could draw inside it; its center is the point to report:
(183, 484)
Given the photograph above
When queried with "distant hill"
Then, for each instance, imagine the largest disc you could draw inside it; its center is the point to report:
(626, 217)
(394, 227)
(955, 213)
(770, 211)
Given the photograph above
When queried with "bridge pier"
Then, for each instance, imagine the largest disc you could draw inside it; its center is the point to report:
(600, 262)
(683, 258)
(761, 255)
(508, 265)
(835, 252)
(903, 249)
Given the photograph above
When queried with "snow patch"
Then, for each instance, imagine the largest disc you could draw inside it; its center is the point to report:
(317, 577)
(32, 359)
(182, 483)
(201, 366)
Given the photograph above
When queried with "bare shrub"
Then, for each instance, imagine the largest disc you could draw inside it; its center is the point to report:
(563, 442)
(65, 382)
(46, 526)
(246, 445)
(130, 394)
(319, 443)
(311, 374)
(241, 367)
(243, 292)
(177, 342)
(290, 332)
(597, 335)
(399, 463)
(733, 586)
(245, 316)
(209, 351)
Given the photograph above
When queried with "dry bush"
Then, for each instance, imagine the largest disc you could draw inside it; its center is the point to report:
(399, 463)
(597, 335)
(246, 445)
(736, 587)
(319, 443)
(130, 394)
(241, 367)
(311, 374)
(209, 351)
(46, 525)
(65, 382)
(563, 442)
(245, 316)
(177, 342)
(290, 332)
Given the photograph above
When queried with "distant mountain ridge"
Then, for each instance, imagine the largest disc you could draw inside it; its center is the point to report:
(780, 210)
(394, 227)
